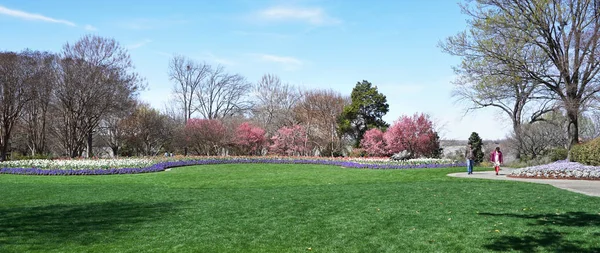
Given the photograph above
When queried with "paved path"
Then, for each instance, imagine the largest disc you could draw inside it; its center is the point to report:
(587, 187)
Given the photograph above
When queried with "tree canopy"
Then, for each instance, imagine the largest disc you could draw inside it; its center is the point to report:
(554, 43)
(365, 112)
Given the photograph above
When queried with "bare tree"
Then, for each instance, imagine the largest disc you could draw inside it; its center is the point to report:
(147, 131)
(16, 74)
(514, 96)
(484, 81)
(319, 110)
(223, 95)
(274, 103)
(189, 77)
(564, 35)
(35, 117)
(95, 78)
(538, 138)
(111, 129)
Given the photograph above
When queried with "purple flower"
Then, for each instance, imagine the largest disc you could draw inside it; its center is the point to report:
(161, 166)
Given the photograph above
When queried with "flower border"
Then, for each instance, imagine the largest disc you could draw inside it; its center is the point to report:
(161, 166)
(562, 170)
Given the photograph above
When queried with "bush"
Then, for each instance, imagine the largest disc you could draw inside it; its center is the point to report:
(327, 152)
(486, 164)
(358, 152)
(558, 154)
(528, 161)
(587, 153)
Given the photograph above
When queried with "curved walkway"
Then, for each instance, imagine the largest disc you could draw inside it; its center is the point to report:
(587, 187)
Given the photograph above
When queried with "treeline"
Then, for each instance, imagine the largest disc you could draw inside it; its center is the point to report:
(54, 103)
(83, 101)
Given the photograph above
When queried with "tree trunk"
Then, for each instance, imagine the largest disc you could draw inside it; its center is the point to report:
(517, 130)
(90, 152)
(572, 130)
(115, 150)
(4, 148)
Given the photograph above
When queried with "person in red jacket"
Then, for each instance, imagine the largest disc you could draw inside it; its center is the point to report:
(496, 159)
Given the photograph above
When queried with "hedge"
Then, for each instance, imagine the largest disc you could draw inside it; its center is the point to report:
(587, 153)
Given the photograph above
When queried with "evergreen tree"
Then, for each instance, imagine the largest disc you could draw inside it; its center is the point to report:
(365, 112)
(436, 150)
(477, 146)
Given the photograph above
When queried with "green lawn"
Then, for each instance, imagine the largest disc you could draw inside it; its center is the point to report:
(292, 208)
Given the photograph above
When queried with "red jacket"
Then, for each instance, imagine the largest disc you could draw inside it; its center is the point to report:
(493, 154)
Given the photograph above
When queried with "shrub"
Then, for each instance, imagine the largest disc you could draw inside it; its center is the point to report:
(373, 142)
(558, 154)
(290, 141)
(486, 164)
(331, 151)
(526, 161)
(414, 134)
(249, 139)
(358, 152)
(205, 136)
(587, 153)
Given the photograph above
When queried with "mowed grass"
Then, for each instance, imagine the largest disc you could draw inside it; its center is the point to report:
(292, 208)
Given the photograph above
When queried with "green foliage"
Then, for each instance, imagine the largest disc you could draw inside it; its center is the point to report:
(365, 112)
(477, 145)
(486, 164)
(558, 154)
(587, 153)
(437, 151)
(527, 161)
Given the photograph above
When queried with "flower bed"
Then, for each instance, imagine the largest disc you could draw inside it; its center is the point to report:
(559, 170)
(80, 164)
(385, 160)
(163, 164)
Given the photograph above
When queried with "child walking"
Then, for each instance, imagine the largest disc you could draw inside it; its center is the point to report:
(496, 159)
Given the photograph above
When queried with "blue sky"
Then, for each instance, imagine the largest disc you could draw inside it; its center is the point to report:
(324, 44)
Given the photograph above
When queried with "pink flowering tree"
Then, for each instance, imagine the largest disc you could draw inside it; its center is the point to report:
(205, 136)
(374, 143)
(289, 141)
(249, 139)
(413, 134)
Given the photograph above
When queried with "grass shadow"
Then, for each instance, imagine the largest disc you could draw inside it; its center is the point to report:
(83, 224)
(569, 219)
(547, 240)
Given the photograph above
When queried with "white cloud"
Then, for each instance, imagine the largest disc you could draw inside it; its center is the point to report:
(279, 59)
(286, 62)
(90, 28)
(314, 16)
(32, 16)
(150, 24)
(138, 44)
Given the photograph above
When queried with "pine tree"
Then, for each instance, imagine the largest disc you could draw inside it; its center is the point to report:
(477, 146)
(436, 150)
